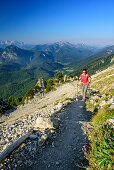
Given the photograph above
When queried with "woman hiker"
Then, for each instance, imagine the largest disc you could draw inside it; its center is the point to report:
(85, 82)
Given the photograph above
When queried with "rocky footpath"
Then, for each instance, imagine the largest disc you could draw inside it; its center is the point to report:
(65, 138)
(22, 120)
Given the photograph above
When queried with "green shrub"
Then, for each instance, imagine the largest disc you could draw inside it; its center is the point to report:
(9, 103)
(49, 85)
(4, 106)
(59, 76)
(31, 92)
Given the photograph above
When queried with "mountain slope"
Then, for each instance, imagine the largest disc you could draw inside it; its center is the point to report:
(18, 82)
(41, 57)
(14, 55)
(97, 65)
(1, 49)
(102, 53)
(65, 52)
(20, 69)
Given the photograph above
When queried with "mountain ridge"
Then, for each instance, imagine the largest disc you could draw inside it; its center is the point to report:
(62, 51)
(16, 55)
(102, 53)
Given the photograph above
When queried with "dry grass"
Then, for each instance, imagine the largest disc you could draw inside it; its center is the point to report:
(104, 81)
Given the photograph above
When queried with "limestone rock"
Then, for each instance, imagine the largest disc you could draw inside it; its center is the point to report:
(43, 123)
(41, 83)
(65, 78)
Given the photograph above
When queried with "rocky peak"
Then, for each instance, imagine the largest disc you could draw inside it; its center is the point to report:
(41, 83)
(11, 48)
(6, 43)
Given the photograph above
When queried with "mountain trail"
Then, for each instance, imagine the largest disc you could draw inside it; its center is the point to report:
(64, 151)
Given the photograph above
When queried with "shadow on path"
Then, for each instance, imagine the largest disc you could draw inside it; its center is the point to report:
(64, 150)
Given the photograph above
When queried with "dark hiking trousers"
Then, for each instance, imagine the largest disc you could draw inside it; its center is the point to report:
(84, 90)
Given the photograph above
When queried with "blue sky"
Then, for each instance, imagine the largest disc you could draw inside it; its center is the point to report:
(46, 21)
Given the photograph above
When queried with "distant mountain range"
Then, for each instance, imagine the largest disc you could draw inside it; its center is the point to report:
(65, 52)
(60, 52)
(20, 44)
(20, 68)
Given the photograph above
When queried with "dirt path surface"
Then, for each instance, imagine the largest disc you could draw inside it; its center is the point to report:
(63, 151)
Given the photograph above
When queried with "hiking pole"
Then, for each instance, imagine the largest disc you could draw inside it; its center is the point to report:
(89, 88)
(77, 93)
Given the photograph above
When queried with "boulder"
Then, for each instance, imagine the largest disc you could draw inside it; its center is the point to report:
(43, 123)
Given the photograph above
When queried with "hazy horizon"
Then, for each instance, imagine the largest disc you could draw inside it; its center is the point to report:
(48, 21)
(75, 43)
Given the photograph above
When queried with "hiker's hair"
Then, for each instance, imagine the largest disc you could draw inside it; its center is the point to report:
(84, 70)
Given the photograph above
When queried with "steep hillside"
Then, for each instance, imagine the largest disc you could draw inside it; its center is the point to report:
(20, 69)
(18, 82)
(41, 57)
(104, 81)
(14, 55)
(1, 49)
(101, 54)
(96, 66)
(101, 104)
